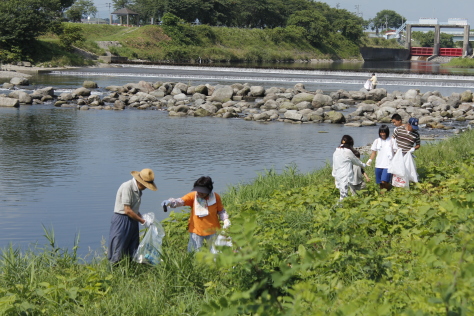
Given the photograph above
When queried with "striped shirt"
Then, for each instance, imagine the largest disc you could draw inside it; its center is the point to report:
(406, 140)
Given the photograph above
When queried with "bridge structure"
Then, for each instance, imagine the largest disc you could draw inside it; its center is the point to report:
(436, 50)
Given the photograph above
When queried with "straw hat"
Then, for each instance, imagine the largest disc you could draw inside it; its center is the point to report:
(145, 177)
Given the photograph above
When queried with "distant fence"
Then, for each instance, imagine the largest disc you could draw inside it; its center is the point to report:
(428, 51)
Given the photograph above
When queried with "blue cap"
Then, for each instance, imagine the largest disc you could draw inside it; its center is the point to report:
(413, 121)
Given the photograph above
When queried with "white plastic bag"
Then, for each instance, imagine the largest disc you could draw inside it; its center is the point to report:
(221, 241)
(399, 181)
(368, 84)
(149, 250)
(397, 164)
(410, 167)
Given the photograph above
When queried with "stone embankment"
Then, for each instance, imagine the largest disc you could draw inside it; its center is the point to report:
(256, 103)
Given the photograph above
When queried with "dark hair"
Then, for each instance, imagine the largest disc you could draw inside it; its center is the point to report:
(347, 142)
(356, 153)
(204, 182)
(384, 128)
(396, 117)
(373, 74)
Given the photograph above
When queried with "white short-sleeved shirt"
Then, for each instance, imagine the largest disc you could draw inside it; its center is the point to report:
(384, 149)
(128, 194)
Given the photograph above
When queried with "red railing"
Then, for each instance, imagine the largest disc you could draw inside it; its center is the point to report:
(428, 51)
(421, 51)
(456, 52)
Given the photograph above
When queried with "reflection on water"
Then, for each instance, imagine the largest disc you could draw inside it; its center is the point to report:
(62, 167)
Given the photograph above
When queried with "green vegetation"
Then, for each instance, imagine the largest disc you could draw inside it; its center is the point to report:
(381, 42)
(460, 63)
(184, 42)
(426, 39)
(296, 251)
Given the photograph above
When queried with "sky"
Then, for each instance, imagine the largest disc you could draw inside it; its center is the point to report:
(412, 10)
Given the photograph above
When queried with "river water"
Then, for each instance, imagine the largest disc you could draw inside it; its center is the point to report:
(61, 168)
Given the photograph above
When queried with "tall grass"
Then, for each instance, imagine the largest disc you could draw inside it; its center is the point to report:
(390, 254)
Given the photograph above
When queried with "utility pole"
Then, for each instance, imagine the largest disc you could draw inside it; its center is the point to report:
(357, 6)
(386, 23)
(110, 15)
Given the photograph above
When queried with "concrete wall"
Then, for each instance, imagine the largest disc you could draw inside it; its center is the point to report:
(371, 53)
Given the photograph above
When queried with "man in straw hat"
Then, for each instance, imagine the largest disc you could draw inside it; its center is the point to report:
(124, 231)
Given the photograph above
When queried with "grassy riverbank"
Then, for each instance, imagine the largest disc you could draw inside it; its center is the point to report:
(186, 43)
(460, 63)
(407, 252)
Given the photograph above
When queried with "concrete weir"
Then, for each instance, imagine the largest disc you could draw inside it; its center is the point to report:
(379, 54)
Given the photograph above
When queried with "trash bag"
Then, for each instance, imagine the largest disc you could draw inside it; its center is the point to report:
(149, 250)
(397, 164)
(399, 181)
(399, 171)
(410, 168)
(368, 85)
(221, 241)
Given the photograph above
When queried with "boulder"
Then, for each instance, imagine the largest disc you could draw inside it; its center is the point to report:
(335, 117)
(182, 87)
(299, 87)
(22, 96)
(19, 81)
(222, 94)
(301, 97)
(376, 94)
(257, 91)
(9, 102)
(120, 105)
(180, 97)
(45, 91)
(411, 94)
(88, 84)
(144, 86)
(358, 95)
(201, 89)
(293, 115)
(65, 96)
(210, 108)
(304, 105)
(321, 100)
(201, 112)
(466, 96)
(81, 92)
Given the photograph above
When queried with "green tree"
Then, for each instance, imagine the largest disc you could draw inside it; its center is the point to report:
(21, 21)
(81, 9)
(70, 35)
(387, 19)
(119, 4)
(426, 39)
(315, 24)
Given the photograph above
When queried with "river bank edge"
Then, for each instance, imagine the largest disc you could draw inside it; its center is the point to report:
(305, 219)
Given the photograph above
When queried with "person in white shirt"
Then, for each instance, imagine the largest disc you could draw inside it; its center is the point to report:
(374, 82)
(384, 147)
(342, 161)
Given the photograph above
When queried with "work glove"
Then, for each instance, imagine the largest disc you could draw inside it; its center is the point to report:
(147, 222)
(412, 150)
(226, 223)
(369, 162)
(165, 203)
(148, 217)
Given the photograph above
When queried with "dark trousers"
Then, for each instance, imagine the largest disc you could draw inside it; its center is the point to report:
(123, 237)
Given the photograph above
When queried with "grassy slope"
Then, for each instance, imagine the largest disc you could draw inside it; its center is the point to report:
(406, 252)
(214, 43)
